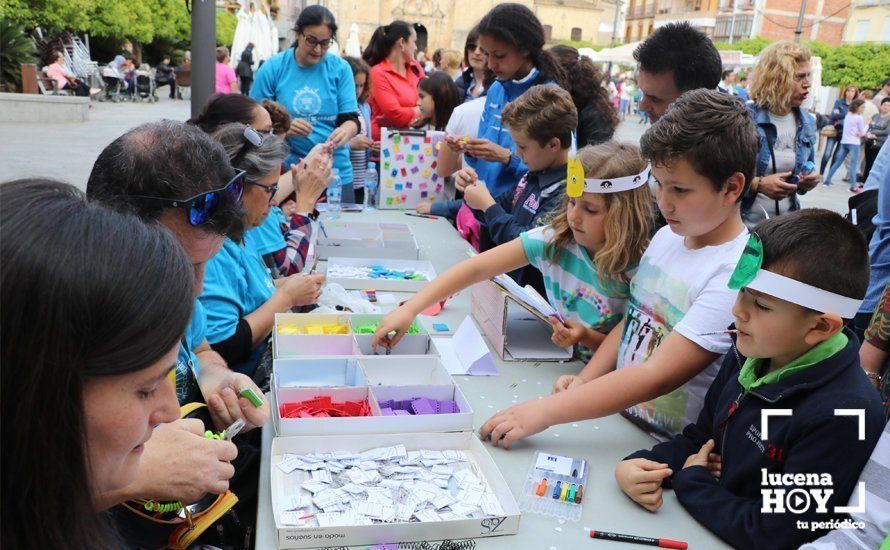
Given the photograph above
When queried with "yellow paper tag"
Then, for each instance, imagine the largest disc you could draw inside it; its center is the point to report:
(574, 178)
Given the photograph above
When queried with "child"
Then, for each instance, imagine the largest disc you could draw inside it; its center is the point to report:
(361, 145)
(659, 361)
(585, 256)
(854, 129)
(792, 355)
(437, 96)
(541, 123)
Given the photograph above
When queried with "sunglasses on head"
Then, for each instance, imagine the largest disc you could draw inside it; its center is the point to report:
(201, 208)
(251, 138)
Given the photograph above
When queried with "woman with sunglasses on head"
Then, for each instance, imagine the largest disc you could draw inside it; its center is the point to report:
(240, 298)
(477, 77)
(317, 88)
(87, 354)
(394, 77)
(282, 240)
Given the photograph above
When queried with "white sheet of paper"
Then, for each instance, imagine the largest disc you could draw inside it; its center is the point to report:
(466, 352)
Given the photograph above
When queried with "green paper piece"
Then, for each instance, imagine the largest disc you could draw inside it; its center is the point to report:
(370, 328)
(749, 264)
(252, 396)
(397, 138)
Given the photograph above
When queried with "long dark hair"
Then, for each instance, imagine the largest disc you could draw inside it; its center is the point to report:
(383, 40)
(314, 15)
(586, 84)
(518, 26)
(86, 292)
(223, 109)
(446, 96)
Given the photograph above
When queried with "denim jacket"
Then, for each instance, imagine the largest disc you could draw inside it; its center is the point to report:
(805, 147)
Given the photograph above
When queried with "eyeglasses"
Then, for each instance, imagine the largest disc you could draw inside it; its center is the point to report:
(201, 208)
(271, 189)
(312, 41)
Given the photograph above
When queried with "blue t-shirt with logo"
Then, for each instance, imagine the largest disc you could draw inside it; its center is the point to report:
(268, 237)
(187, 366)
(236, 283)
(319, 94)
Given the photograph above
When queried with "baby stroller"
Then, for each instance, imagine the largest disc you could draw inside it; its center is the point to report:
(112, 84)
(145, 87)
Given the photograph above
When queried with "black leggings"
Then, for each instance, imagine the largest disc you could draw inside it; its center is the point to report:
(80, 88)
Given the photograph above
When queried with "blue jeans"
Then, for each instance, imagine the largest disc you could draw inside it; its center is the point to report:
(853, 151)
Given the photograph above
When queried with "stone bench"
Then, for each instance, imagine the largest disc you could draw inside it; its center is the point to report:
(43, 108)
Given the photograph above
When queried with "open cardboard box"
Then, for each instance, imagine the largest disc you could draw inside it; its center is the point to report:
(395, 285)
(310, 345)
(313, 537)
(366, 240)
(513, 330)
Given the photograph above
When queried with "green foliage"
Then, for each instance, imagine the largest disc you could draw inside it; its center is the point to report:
(751, 46)
(225, 28)
(141, 21)
(865, 65)
(15, 48)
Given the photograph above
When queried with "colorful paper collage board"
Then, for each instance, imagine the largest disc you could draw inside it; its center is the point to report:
(408, 169)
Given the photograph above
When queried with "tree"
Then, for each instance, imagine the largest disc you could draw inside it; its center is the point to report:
(866, 65)
(15, 48)
(225, 28)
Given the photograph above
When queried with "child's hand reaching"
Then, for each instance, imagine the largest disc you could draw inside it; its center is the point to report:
(566, 334)
(478, 197)
(567, 382)
(515, 423)
(640, 479)
(703, 458)
(423, 208)
(464, 177)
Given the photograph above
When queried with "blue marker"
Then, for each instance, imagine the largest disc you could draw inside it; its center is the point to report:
(557, 490)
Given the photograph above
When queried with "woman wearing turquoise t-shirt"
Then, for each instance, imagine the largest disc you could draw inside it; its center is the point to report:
(240, 298)
(317, 89)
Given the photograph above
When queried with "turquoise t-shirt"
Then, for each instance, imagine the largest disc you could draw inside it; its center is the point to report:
(268, 237)
(319, 94)
(236, 283)
(187, 366)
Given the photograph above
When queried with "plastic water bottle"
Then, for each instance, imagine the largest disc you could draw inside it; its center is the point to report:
(335, 194)
(370, 189)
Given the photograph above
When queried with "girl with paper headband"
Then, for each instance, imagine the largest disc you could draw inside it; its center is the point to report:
(587, 256)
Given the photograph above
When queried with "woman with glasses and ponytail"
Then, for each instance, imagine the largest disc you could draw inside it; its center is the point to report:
(394, 77)
(318, 90)
(240, 298)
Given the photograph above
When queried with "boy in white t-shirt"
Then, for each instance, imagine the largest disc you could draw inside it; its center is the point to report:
(657, 364)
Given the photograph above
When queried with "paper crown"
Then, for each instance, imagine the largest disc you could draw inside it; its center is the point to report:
(576, 183)
(749, 273)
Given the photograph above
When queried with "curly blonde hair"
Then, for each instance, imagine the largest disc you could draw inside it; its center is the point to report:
(628, 213)
(773, 77)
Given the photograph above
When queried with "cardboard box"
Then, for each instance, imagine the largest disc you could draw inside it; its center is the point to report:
(313, 537)
(396, 285)
(319, 372)
(341, 345)
(512, 329)
(405, 371)
(376, 423)
(365, 240)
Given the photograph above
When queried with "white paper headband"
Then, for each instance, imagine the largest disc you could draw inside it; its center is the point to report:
(804, 295)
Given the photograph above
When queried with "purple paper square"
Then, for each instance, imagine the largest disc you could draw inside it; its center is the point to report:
(386, 404)
(399, 412)
(386, 411)
(403, 405)
(422, 406)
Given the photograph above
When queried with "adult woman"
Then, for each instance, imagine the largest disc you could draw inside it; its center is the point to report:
(513, 40)
(787, 133)
(476, 78)
(317, 88)
(86, 382)
(596, 115)
(282, 240)
(64, 79)
(394, 77)
(838, 113)
(240, 298)
(878, 128)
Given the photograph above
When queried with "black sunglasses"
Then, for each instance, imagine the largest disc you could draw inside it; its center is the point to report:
(201, 208)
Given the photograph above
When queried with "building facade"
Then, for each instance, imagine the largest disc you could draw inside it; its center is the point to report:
(734, 20)
(447, 22)
(869, 22)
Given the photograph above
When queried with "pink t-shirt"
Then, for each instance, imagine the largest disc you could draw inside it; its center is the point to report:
(225, 75)
(854, 129)
(57, 72)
